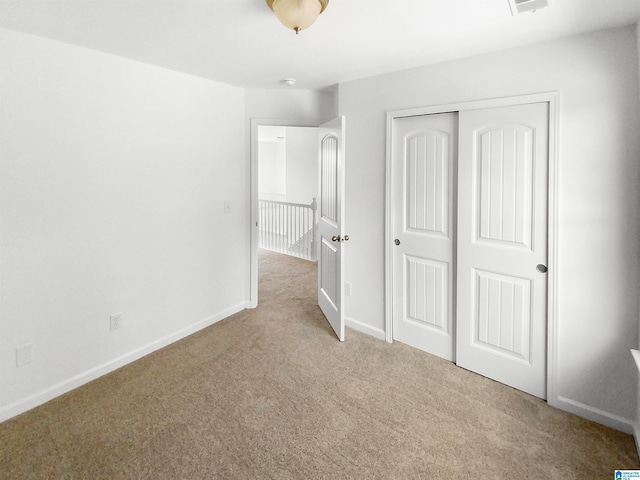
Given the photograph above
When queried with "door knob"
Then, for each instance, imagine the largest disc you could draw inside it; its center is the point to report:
(541, 268)
(345, 238)
(396, 241)
(335, 238)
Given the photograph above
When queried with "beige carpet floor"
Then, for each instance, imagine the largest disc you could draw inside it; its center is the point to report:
(271, 394)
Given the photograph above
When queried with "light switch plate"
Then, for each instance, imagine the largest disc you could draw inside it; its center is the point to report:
(115, 321)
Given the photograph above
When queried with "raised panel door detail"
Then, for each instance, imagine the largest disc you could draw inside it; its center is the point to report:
(504, 179)
(422, 170)
(426, 292)
(427, 183)
(328, 268)
(502, 317)
(329, 179)
(330, 222)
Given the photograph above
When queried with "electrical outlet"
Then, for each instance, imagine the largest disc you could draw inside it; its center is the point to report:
(115, 321)
(23, 355)
(347, 289)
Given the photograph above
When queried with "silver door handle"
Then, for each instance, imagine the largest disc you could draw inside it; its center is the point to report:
(396, 241)
(541, 268)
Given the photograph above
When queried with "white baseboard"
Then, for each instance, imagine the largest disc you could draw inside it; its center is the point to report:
(595, 414)
(636, 357)
(76, 381)
(364, 328)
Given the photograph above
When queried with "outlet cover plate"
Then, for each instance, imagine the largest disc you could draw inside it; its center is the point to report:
(23, 355)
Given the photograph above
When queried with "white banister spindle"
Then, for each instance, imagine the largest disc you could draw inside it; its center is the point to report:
(288, 228)
(314, 245)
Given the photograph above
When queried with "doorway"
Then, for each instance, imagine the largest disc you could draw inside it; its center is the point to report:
(277, 127)
(288, 190)
(329, 180)
(469, 190)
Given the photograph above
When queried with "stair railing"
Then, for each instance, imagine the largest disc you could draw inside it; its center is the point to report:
(288, 228)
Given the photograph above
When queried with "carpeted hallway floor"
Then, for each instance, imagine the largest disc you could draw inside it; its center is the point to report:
(271, 394)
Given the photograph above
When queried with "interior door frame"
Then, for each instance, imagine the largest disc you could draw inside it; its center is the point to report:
(254, 214)
(552, 99)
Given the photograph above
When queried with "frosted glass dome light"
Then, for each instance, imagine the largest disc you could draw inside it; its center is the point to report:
(297, 14)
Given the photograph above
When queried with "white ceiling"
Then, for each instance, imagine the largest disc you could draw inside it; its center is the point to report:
(240, 42)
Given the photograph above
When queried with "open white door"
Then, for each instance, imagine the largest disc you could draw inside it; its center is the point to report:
(331, 223)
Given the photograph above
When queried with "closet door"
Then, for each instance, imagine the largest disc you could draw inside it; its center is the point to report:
(422, 197)
(502, 244)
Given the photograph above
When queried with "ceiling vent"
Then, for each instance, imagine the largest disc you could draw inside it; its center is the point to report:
(522, 6)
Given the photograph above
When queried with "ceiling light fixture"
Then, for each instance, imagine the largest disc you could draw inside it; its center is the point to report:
(289, 81)
(297, 14)
(522, 6)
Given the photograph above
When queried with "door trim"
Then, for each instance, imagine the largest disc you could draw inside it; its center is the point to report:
(254, 213)
(552, 98)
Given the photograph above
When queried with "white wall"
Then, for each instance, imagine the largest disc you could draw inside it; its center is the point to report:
(308, 106)
(599, 251)
(272, 167)
(302, 164)
(113, 176)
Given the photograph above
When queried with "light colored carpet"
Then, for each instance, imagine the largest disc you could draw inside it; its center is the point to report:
(271, 394)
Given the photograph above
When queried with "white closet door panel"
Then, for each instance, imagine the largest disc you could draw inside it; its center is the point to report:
(502, 237)
(423, 156)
